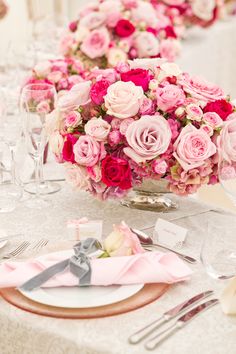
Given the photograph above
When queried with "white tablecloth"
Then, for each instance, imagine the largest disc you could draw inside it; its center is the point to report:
(25, 333)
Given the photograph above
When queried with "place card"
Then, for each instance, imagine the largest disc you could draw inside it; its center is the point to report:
(169, 234)
(81, 229)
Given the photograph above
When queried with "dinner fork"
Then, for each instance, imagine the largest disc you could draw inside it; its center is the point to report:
(17, 251)
(41, 243)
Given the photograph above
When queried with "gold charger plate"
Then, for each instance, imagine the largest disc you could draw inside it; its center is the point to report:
(148, 294)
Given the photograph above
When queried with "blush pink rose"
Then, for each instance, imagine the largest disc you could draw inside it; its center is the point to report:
(159, 167)
(194, 112)
(227, 140)
(78, 95)
(42, 69)
(200, 88)
(207, 129)
(93, 20)
(114, 137)
(193, 147)
(147, 45)
(125, 124)
(73, 119)
(97, 128)
(170, 49)
(147, 138)
(78, 177)
(227, 172)
(55, 76)
(96, 43)
(169, 97)
(123, 99)
(105, 74)
(147, 107)
(43, 107)
(213, 119)
(145, 13)
(88, 151)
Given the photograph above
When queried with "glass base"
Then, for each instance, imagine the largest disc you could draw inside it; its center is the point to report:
(37, 203)
(150, 201)
(45, 188)
(10, 195)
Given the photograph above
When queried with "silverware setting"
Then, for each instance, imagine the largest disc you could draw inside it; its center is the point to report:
(146, 331)
(147, 241)
(25, 245)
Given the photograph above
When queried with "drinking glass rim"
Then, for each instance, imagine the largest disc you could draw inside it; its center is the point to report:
(45, 87)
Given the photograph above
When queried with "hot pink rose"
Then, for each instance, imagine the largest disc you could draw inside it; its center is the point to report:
(97, 128)
(169, 97)
(88, 151)
(213, 119)
(139, 77)
(96, 44)
(148, 138)
(98, 91)
(192, 147)
(67, 151)
(227, 140)
(200, 88)
(123, 99)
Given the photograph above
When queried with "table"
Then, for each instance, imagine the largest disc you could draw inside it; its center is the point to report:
(25, 333)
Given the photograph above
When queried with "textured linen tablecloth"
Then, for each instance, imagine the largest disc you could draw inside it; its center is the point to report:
(25, 333)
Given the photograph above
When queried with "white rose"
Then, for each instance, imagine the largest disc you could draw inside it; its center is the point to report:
(81, 34)
(56, 143)
(123, 99)
(116, 56)
(146, 44)
(110, 6)
(78, 95)
(54, 121)
(78, 177)
(146, 63)
(43, 69)
(93, 20)
(98, 128)
(203, 9)
(168, 70)
(145, 13)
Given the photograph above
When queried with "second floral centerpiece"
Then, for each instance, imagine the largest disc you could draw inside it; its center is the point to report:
(142, 120)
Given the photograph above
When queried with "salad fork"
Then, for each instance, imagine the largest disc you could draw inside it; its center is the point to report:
(17, 251)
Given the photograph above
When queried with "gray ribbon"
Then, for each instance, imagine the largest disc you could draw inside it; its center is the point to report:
(78, 264)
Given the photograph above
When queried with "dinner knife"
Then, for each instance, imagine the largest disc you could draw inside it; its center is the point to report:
(153, 342)
(172, 313)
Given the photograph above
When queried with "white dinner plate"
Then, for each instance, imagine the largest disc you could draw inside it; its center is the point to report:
(82, 297)
(3, 243)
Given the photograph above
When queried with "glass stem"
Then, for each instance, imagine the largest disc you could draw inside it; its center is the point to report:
(13, 171)
(41, 179)
(37, 175)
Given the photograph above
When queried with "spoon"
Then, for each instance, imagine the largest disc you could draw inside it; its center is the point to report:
(147, 240)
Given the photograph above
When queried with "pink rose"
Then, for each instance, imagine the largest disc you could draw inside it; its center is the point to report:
(227, 140)
(147, 107)
(43, 69)
(88, 151)
(194, 112)
(112, 19)
(66, 44)
(192, 147)
(97, 128)
(96, 44)
(105, 74)
(95, 173)
(78, 95)
(169, 97)
(170, 49)
(93, 20)
(123, 99)
(55, 76)
(78, 177)
(56, 143)
(159, 167)
(148, 138)
(98, 91)
(213, 119)
(207, 129)
(114, 137)
(125, 124)
(200, 89)
(43, 107)
(146, 44)
(73, 119)
(130, 4)
(227, 172)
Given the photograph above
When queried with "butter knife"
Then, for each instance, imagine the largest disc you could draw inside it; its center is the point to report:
(172, 313)
(153, 342)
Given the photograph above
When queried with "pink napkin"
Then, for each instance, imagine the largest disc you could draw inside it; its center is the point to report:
(149, 267)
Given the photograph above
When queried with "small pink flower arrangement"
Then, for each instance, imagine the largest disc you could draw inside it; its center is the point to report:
(150, 121)
(112, 31)
(62, 73)
(189, 13)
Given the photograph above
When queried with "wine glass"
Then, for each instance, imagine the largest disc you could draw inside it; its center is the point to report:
(39, 99)
(218, 253)
(227, 177)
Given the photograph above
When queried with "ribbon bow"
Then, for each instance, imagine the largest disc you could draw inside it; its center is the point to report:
(79, 265)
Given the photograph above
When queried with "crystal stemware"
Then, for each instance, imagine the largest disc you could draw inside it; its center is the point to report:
(37, 100)
(227, 177)
(40, 105)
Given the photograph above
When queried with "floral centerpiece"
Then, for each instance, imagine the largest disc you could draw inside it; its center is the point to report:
(189, 13)
(148, 120)
(112, 31)
(62, 73)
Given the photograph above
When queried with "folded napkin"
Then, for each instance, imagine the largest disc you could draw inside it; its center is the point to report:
(149, 267)
(228, 298)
